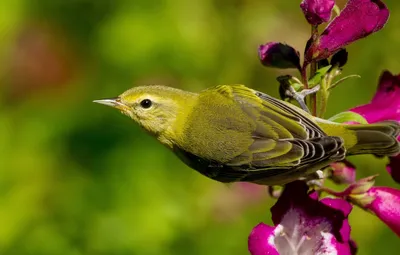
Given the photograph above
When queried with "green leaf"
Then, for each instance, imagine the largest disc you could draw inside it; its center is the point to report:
(342, 80)
(348, 117)
(316, 79)
(336, 10)
(297, 86)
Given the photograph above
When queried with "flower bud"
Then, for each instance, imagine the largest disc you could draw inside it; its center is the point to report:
(317, 11)
(323, 63)
(340, 58)
(361, 187)
(343, 172)
(279, 55)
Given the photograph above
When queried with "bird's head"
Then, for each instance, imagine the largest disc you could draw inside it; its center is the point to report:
(155, 108)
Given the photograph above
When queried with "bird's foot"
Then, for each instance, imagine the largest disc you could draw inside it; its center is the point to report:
(292, 88)
(300, 96)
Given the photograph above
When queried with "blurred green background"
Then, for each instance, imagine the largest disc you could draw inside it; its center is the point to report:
(79, 178)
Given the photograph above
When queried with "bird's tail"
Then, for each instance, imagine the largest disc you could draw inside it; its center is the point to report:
(378, 138)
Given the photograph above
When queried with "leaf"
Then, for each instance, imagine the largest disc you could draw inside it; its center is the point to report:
(348, 117)
(316, 79)
(336, 10)
(343, 79)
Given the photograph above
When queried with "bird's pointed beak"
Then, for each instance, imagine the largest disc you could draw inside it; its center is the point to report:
(113, 102)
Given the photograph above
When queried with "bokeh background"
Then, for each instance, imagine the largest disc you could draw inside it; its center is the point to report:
(79, 178)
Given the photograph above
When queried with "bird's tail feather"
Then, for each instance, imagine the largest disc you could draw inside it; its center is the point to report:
(378, 138)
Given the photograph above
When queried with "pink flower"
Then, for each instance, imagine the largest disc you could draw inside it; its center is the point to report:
(385, 105)
(358, 19)
(317, 11)
(386, 206)
(384, 202)
(304, 225)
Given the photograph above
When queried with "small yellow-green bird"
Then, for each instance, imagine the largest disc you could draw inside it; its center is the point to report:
(232, 133)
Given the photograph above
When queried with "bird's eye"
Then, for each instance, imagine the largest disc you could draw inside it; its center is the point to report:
(146, 103)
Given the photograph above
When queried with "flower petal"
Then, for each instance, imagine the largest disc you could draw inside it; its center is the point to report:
(279, 55)
(261, 240)
(385, 105)
(317, 11)
(386, 206)
(353, 247)
(307, 224)
(358, 19)
(343, 209)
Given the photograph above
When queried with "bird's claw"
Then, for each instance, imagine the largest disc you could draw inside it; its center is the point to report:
(300, 96)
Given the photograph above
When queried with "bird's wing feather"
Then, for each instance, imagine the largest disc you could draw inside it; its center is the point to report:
(284, 137)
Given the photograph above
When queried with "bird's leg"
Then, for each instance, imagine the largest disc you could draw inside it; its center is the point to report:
(300, 96)
(290, 87)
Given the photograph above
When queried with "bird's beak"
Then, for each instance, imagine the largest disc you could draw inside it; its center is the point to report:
(113, 102)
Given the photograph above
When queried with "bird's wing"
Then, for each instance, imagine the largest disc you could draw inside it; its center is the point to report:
(257, 104)
(284, 137)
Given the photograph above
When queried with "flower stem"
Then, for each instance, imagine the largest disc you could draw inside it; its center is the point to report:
(332, 192)
(313, 70)
(304, 76)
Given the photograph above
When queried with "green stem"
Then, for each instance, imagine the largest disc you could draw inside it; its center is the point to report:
(323, 98)
(331, 192)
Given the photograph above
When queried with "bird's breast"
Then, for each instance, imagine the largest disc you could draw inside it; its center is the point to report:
(218, 133)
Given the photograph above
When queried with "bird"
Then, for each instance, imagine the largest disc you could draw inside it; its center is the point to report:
(232, 133)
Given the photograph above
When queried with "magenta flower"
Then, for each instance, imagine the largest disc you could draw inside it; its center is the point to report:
(358, 19)
(317, 11)
(279, 55)
(386, 206)
(384, 202)
(343, 172)
(304, 225)
(385, 105)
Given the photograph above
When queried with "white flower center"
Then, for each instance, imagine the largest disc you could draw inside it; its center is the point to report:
(300, 234)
